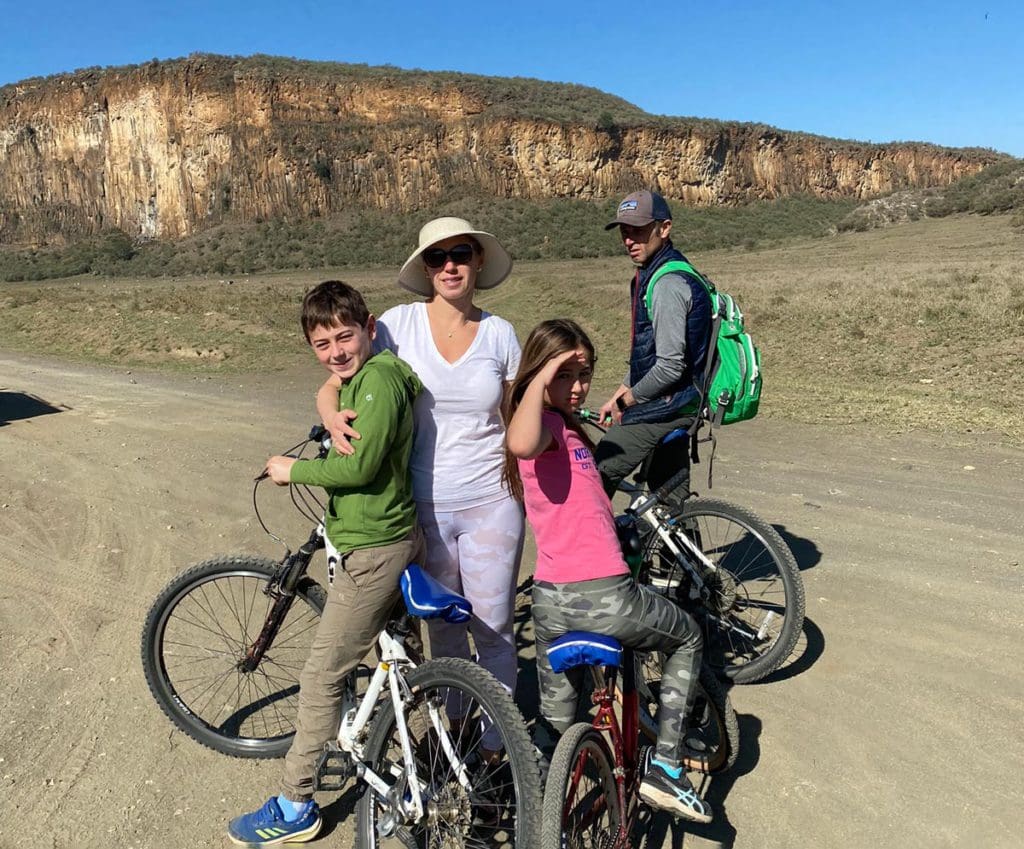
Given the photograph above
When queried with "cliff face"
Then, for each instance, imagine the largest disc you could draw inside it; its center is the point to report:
(166, 149)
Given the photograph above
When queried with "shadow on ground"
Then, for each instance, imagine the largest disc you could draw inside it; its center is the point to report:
(22, 405)
(342, 809)
(805, 551)
(809, 647)
(665, 832)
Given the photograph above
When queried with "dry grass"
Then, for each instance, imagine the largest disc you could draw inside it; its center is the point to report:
(918, 326)
(914, 327)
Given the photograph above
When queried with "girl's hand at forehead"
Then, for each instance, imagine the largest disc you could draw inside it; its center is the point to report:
(559, 361)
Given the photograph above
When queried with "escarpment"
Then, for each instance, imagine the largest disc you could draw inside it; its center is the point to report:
(168, 148)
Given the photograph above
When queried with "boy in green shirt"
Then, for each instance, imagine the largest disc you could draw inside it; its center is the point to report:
(370, 521)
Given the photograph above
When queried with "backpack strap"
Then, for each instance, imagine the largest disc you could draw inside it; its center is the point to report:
(675, 267)
(710, 359)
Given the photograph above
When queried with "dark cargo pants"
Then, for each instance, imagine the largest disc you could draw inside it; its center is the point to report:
(624, 447)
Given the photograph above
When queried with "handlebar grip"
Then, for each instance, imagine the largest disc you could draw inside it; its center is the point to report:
(588, 416)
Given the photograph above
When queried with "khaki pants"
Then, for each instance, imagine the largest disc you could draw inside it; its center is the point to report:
(364, 592)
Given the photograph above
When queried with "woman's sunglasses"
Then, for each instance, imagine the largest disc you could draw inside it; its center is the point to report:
(437, 257)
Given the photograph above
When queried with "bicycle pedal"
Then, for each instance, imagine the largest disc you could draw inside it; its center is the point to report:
(333, 770)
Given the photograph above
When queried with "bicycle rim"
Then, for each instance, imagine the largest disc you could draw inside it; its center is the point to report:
(196, 636)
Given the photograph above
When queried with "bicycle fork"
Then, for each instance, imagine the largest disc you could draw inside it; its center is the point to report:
(625, 742)
(405, 805)
(282, 590)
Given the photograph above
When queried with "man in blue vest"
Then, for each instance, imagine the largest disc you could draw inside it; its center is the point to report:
(671, 327)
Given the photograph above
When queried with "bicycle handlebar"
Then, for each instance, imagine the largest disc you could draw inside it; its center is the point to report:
(590, 417)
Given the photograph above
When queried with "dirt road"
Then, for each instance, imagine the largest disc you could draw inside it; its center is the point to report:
(899, 726)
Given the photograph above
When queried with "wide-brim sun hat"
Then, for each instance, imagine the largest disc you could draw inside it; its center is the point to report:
(497, 263)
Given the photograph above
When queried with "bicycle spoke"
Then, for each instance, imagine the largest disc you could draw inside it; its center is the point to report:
(206, 635)
(469, 801)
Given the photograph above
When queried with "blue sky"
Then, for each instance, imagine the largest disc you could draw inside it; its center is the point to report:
(941, 72)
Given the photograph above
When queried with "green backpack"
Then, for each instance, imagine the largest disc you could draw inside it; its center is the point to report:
(731, 387)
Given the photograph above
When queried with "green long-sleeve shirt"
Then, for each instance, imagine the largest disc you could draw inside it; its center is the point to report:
(371, 490)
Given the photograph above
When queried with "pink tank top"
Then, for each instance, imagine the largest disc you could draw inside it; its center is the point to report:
(571, 517)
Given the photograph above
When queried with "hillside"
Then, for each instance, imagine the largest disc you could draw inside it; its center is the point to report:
(998, 188)
(169, 149)
(891, 327)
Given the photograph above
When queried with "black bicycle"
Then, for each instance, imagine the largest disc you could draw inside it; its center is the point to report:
(722, 562)
(222, 649)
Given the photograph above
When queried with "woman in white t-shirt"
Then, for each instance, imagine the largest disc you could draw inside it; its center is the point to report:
(464, 356)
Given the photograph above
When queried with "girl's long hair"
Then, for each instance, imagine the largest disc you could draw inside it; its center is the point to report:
(546, 340)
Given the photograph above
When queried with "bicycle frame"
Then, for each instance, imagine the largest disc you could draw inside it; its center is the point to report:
(649, 509)
(667, 527)
(350, 731)
(624, 734)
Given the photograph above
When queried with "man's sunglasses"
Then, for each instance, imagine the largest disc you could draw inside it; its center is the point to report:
(437, 257)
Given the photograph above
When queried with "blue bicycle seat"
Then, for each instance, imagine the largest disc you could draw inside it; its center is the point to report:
(581, 648)
(672, 435)
(429, 599)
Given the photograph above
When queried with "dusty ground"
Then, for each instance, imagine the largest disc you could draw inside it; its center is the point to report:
(899, 725)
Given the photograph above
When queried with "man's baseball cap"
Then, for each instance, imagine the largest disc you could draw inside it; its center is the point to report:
(641, 208)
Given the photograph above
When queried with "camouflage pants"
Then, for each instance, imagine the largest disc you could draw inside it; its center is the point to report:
(637, 617)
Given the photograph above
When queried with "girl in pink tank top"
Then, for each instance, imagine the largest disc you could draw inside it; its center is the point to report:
(581, 580)
(550, 462)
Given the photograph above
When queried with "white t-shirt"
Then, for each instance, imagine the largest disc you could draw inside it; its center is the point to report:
(458, 450)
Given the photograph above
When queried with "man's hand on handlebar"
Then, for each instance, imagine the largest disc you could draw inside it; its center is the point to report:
(342, 433)
(611, 410)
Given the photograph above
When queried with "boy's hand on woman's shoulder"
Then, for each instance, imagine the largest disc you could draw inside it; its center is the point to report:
(342, 433)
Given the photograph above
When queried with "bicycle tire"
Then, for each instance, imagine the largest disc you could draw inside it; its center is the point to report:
(756, 612)
(712, 739)
(196, 632)
(503, 807)
(571, 818)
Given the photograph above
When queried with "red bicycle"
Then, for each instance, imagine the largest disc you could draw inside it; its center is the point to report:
(592, 798)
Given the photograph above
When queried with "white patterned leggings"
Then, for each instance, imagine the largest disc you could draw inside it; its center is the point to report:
(476, 552)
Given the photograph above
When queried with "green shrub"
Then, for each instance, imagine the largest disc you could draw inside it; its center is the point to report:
(552, 229)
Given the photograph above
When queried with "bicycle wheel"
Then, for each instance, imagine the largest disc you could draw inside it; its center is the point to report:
(500, 807)
(195, 635)
(712, 740)
(581, 799)
(755, 612)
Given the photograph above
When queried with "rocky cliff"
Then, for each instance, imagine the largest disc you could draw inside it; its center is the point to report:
(166, 148)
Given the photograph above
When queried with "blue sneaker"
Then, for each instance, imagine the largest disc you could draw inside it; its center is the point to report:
(267, 826)
(669, 789)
